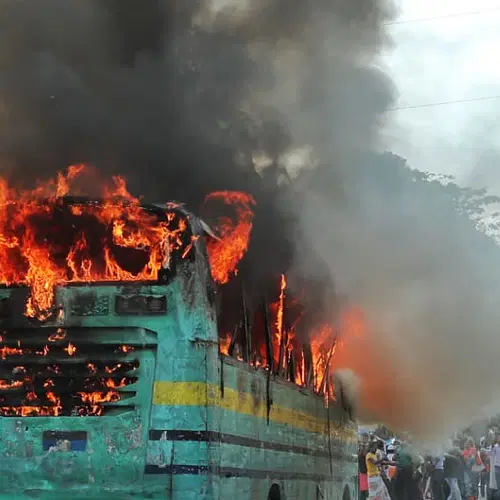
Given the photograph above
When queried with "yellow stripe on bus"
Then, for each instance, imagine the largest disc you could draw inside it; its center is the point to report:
(203, 394)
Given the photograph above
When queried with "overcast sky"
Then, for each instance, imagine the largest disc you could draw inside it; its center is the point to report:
(446, 59)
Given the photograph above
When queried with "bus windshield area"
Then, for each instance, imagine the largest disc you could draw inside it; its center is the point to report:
(69, 240)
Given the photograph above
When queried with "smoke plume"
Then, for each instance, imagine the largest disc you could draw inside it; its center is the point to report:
(184, 98)
(283, 99)
(428, 284)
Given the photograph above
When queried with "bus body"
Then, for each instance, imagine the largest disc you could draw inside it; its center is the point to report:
(189, 422)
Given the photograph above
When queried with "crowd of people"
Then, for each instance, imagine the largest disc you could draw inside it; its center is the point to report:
(395, 471)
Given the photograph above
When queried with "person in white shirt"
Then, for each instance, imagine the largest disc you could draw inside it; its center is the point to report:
(495, 464)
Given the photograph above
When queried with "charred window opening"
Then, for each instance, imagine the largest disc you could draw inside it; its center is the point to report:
(90, 241)
(60, 376)
(271, 333)
(285, 334)
(70, 240)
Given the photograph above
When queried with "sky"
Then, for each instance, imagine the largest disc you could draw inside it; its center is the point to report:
(453, 56)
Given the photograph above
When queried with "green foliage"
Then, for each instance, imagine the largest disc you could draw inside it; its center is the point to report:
(382, 431)
(478, 204)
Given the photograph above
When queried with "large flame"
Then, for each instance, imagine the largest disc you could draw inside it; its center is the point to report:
(225, 254)
(38, 394)
(33, 253)
(372, 365)
(332, 347)
(279, 326)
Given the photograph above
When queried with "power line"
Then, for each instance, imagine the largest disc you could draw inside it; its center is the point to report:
(444, 16)
(446, 103)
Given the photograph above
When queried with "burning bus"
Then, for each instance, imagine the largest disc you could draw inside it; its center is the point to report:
(119, 377)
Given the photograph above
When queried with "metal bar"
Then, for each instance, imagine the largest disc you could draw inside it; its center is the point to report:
(308, 365)
(327, 366)
(268, 333)
(246, 330)
(270, 357)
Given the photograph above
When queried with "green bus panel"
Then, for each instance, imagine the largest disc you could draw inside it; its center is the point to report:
(194, 425)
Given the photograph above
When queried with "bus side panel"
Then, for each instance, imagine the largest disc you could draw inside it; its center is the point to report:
(178, 459)
(291, 450)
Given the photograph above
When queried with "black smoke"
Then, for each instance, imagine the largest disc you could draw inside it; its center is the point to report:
(180, 96)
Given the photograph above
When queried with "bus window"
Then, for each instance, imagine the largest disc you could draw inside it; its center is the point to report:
(259, 339)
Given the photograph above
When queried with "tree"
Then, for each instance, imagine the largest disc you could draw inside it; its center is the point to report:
(382, 431)
(479, 205)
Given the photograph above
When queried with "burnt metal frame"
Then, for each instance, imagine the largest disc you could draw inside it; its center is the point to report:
(285, 369)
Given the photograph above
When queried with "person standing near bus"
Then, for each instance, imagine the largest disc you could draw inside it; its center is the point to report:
(405, 485)
(377, 489)
(437, 478)
(495, 464)
(391, 471)
(484, 476)
(362, 471)
(473, 466)
(451, 474)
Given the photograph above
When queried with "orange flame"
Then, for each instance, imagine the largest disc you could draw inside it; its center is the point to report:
(71, 349)
(29, 411)
(56, 401)
(92, 368)
(331, 347)
(26, 257)
(360, 353)
(113, 384)
(224, 343)
(32, 254)
(51, 404)
(6, 384)
(323, 347)
(279, 325)
(9, 351)
(59, 335)
(225, 254)
(95, 398)
(113, 369)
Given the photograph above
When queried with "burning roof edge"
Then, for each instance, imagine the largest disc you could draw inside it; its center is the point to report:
(199, 226)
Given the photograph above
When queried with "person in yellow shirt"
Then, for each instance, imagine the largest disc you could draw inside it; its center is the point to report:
(372, 464)
(377, 490)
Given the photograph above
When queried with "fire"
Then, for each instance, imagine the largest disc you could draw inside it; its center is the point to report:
(279, 325)
(323, 346)
(307, 356)
(224, 344)
(6, 384)
(56, 401)
(95, 398)
(29, 411)
(59, 335)
(71, 349)
(113, 384)
(27, 398)
(48, 383)
(359, 353)
(225, 254)
(92, 368)
(9, 351)
(113, 369)
(45, 243)
(44, 352)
